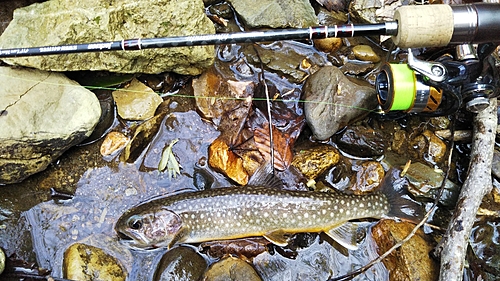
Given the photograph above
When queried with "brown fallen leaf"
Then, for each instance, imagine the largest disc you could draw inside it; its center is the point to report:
(282, 146)
(222, 159)
(248, 247)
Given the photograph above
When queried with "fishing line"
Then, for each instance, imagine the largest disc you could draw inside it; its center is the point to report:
(189, 96)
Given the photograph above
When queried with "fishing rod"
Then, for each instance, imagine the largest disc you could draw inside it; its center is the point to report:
(413, 26)
(418, 86)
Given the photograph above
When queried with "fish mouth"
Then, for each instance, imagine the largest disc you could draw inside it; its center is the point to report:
(124, 236)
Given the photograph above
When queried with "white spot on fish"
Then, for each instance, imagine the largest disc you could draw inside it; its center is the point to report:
(306, 215)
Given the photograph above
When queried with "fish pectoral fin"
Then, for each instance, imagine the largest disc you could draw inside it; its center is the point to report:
(345, 235)
(277, 237)
(178, 237)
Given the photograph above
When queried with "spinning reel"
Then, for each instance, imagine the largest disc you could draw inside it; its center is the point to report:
(443, 86)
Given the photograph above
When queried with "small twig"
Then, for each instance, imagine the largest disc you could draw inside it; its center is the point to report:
(478, 183)
(363, 269)
(268, 103)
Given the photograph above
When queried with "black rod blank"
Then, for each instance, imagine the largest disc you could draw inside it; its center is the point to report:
(319, 32)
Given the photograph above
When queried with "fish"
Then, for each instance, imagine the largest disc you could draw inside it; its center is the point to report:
(259, 209)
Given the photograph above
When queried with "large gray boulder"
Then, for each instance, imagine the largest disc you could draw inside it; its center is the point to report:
(59, 22)
(334, 101)
(276, 13)
(42, 114)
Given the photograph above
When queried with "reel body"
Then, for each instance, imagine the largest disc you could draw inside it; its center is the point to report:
(440, 87)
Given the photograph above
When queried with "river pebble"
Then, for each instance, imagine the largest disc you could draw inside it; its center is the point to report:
(85, 262)
(231, 269)
(180, 264)
(365, 53)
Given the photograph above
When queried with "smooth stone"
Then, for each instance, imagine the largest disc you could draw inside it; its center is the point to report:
(136, 101)
(85, 262)
(231, 269)
(180, 264)
(42, 115)
(334, 101)
(64, 22)
(276, 13)
(328, 45)
(365, 53)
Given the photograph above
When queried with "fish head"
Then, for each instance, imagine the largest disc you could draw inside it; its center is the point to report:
(149, 229)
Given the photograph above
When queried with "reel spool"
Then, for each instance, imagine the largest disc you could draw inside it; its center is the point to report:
(401, 88)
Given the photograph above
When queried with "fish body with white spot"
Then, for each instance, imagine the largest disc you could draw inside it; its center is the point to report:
(245, 211)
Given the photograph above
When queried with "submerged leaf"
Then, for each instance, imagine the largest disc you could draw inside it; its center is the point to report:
(169, 162)
(282, 146)
(222, 159)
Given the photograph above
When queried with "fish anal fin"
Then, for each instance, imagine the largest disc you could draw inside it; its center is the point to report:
(345, 235)
(277, 237)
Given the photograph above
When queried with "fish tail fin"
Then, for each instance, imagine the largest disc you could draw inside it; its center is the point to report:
(402, 205)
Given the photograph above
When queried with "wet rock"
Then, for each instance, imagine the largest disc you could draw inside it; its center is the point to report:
(335, 101)
(136, 101)
(39, 121)
(180, 264)
(231, 269)
(285, 59)
(328, 45)
(373, 11)
(368, 177)
(108, 116)
(65, 22)
(315, 161)
(365, 53)
(113, 142)
(484, 243)
(424, 181)
(357, 67)
(85, 262)
(428, 147)
(412, 260)
(361, 141)
(276, 13)
(2, 260)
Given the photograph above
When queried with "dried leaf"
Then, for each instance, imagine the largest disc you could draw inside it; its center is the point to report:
(282, 146)
(222, 159)
(169, 162)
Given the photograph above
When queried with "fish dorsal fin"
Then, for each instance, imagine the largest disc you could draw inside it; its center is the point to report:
(264, 176)
(345, 235)
(277, 237)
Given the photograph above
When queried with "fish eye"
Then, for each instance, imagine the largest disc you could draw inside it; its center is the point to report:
(135, 223)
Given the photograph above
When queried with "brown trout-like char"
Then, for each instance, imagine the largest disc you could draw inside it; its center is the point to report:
(244, 211)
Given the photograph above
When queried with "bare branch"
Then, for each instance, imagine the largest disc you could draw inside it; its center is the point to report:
(476, 186)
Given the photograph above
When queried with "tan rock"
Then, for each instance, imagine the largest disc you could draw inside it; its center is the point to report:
(137, 101)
